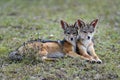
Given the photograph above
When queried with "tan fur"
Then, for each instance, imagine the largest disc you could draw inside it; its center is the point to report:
(49, 50)
(83, 51)
(85, 43)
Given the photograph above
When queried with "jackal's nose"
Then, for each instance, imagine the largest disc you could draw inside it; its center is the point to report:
(88, 37)
(71, 39)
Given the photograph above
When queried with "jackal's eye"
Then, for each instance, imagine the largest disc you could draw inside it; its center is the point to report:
(84, 31)
(74, 33)
(90, 31)
(68, 32)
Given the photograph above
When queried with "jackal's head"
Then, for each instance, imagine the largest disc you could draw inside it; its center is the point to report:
(86, 31)
(70, 32)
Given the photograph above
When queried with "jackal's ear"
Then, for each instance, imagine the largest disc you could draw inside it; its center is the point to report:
(94, 22)
(80, 23)
(63, 24)
(76, 25)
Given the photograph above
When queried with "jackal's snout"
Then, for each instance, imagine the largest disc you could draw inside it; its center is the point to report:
(71, 39)
(88, 37)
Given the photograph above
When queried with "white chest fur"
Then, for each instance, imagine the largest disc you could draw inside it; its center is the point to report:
(74, 47)
(86, 43)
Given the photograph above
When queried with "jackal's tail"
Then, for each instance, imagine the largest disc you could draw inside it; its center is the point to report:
(27, 49)
(15, 56)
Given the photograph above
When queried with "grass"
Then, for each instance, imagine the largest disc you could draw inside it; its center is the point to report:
(21, 20)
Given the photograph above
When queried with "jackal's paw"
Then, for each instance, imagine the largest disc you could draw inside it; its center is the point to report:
(92, 61)
(99, 61)
(44, 58)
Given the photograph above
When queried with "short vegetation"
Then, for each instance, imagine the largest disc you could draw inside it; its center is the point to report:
(23, 20)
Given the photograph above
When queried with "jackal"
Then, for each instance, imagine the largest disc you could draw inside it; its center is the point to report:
(49, 50)
(85, 43)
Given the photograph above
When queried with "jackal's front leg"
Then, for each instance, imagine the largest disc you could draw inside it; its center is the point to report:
(91, 50)
(73, 54)
(85, 55)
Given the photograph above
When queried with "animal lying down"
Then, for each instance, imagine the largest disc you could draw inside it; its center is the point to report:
(38, 48)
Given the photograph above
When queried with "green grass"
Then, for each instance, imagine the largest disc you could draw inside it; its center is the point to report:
(21, 20)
